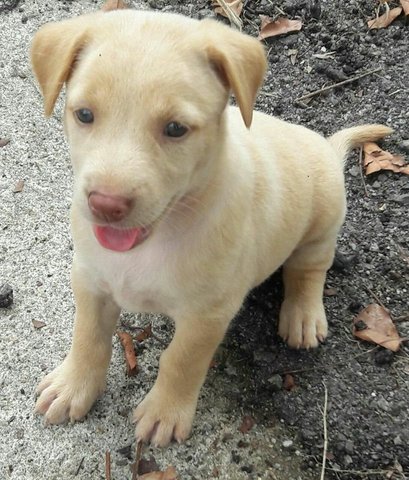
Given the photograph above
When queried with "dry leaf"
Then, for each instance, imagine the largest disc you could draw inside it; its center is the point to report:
(147, 466)
(289, 382)
(146, 333)
(4, 142)
(113, 5)
(374, 324)
(271, 28)
(405, 6)
(384, 20)
(19, 186)
(130, 357)
(235, 5)
(168, 474)
(376, 159)
(37, 324)
(247, 424)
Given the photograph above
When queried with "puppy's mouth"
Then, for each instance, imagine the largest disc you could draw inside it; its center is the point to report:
(123, 239)
(120, 239)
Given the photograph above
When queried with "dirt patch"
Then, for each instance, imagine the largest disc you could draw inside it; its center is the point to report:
(368, 387)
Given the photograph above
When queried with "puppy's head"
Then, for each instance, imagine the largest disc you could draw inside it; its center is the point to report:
(144, 113)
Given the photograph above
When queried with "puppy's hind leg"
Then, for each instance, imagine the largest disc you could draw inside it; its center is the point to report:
(303, 323)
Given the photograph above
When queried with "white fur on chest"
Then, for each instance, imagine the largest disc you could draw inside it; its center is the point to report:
(138, 280)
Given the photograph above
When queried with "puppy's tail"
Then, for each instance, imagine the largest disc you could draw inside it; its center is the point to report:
(349, 138)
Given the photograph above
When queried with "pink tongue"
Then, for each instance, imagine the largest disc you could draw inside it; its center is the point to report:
(118, 239)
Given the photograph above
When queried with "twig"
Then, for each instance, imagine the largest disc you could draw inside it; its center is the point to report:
(231, 14)
(138, 455)
(375, 297)
(335, 85)
(324, 419)
(107, 465)
(79, 466)
(361, 172)
(151, 334)
(402, 318)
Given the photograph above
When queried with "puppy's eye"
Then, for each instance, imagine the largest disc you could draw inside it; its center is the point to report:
(84, 115)
(175, 130)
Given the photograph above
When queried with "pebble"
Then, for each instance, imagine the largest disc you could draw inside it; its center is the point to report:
(276, 383)
(6, 295)
(349, 447)
(383, 357)
(287, 443)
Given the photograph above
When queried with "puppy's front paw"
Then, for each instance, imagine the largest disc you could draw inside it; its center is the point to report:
(68, 392)
(302, 325)
(161, 417)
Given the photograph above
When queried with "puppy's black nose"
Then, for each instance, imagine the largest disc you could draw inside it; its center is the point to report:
(110, 208)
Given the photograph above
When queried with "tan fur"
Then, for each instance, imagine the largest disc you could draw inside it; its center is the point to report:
(227, 204)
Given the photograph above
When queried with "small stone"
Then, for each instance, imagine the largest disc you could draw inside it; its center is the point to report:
(276, 383)
(247, 468)
(126, 451)
(307, 435)
(205, 13)
(405, 145)
(121, 462)
(348, 460)
(287, 443)
(349, 447)
(342, 261)
(398, 441)
(383, 404)
(235, 457)
(383, 357)
(6, 295)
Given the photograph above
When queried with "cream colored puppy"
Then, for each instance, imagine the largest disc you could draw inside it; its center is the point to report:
(181, 204)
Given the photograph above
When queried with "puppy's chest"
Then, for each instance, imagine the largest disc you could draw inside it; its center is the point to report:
(138, 283)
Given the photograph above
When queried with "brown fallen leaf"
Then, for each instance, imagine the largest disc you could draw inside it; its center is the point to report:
(289, 382)
(247, 424)
(168, 474)
(130, 357)
(4, 142)
(271, 28)
(405, 6)
(376, 159)
(37, 324)
(235, 5)
(374, 324)
(113, 5)
(146, 333)
(384, 20)
(19, 186)
(147, 466)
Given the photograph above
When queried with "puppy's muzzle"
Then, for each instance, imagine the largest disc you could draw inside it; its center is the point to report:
(109, 208)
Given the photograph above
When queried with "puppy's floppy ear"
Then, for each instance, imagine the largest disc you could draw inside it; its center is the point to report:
(240, 62)
(53, 52)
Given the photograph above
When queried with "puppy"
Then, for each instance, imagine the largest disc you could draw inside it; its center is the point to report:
(181, 203)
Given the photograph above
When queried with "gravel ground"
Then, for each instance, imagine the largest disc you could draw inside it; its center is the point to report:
(368, 388)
